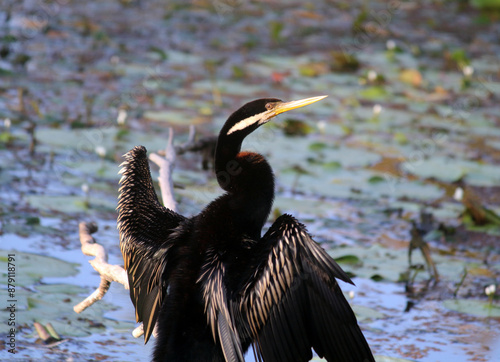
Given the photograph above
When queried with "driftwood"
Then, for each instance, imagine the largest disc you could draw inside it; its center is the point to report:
(166, 165)
(109, 273)
(116, 273)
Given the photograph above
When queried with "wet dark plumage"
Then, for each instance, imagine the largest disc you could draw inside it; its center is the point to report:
(213, 284)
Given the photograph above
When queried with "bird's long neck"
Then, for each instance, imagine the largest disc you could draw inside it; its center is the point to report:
(249, 182)
(226, 166)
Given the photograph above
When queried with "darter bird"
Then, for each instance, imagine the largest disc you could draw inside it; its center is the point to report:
(212, 284)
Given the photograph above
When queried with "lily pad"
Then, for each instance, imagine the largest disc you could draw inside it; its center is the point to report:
(294, 205)
(451, 169)
(479, 308)
(83, 140)
(54, 304)
(375, 92)
(102, 169)
(70, 203)
(366, 314)
(176, 117)
(228, 87)
(382, 263)
(31, 268)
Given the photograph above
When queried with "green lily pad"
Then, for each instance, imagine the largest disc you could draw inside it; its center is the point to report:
(376, 179)
(375, 92)
(348, 259)
(54, 304)
(70, 203)
(31, 268)
(101, 169)
(479, 308)
(319, 208)
(177, 117)
(83, 140)
(367, 314)
(281, 62)
(381, 263)
(228, 87)
(449, 170)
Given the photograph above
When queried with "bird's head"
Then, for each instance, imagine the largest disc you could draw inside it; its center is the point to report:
(240, 124)
(256, 113)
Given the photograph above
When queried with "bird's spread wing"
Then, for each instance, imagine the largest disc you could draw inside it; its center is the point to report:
(218, 308)
(144, 226)
(293, 301)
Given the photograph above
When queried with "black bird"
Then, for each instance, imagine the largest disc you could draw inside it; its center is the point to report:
(212, 284)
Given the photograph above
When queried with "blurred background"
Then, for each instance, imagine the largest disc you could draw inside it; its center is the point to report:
(402, 158)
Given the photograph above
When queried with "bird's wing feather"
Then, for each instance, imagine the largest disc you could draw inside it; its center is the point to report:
(218, 308)
(293, 301)
(144, 226)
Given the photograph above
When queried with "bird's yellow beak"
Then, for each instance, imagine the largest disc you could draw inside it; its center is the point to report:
(288, 106)
(273, 109)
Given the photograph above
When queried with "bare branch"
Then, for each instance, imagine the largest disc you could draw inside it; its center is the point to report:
(166, 165)
(107, 271)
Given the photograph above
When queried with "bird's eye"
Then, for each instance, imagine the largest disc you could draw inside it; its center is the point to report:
(269, 106)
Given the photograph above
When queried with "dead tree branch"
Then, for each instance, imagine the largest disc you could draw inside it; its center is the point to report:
(166, 165)
(107, 271)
